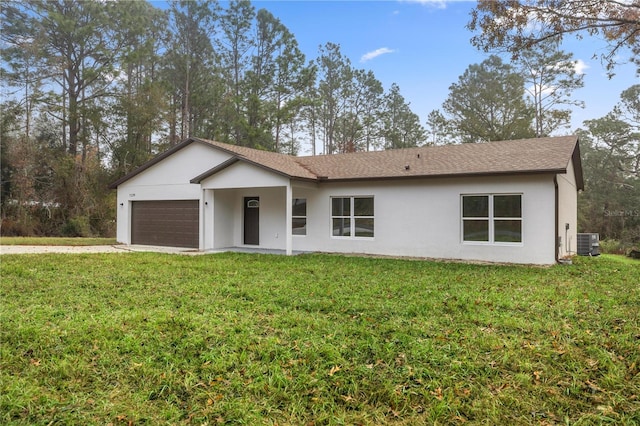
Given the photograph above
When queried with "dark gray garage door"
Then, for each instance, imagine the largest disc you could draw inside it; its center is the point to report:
(165, 223)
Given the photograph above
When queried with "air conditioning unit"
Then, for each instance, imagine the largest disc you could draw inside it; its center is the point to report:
(588, 244)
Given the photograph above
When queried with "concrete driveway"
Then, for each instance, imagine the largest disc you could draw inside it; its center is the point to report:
(93, 249)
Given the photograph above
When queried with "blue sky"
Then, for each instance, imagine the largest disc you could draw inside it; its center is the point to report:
(427, 47)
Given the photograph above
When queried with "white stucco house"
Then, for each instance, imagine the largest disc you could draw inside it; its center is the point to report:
(510, 201)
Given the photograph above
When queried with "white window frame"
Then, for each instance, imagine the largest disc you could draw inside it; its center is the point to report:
(352, 218)
(293, 217)
(492, 219)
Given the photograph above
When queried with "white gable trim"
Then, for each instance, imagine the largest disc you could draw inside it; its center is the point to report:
(242, 174)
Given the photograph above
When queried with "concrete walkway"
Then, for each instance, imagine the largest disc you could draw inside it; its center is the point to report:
(118, 248)
(93, 249)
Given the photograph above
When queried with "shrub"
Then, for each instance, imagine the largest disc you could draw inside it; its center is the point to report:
(77, 227)
(12, 228)
(611, 246)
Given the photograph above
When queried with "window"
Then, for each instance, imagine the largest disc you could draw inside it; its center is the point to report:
(299, 216)
(507, 218)
(492, 218)
(352, 217)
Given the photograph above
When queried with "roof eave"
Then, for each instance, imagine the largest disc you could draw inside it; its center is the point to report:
(446, 175)
(236, 158)
(576, 160)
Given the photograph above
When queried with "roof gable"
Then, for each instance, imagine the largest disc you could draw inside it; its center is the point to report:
(240, 173)
(279, 163)
(155, 160)
(236, 159)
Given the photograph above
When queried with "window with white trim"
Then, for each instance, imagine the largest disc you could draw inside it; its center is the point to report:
(299, 216)
(492, 218)
(352, 217)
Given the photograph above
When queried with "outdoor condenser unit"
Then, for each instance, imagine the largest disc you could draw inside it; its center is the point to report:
(588, 244)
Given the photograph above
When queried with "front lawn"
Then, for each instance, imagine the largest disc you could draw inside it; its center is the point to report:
(142, 338)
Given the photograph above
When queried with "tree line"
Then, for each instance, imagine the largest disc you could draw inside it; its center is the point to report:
(94, 89)
(97, 88)
(610, 204)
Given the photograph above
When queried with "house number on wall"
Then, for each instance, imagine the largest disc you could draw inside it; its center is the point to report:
(132, 195)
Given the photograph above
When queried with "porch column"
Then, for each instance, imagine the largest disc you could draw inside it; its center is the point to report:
(208, 218)
(201, 224)
(288, 219)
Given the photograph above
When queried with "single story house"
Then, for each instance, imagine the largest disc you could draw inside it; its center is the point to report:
(509, 201)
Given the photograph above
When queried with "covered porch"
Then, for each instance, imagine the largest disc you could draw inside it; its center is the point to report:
(245, 207)
(250, 250)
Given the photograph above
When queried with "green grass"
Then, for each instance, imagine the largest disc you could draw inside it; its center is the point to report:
(152, 339)
(56, 241)
(621, 259)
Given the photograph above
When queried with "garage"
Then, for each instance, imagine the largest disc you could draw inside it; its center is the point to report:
(165, 223)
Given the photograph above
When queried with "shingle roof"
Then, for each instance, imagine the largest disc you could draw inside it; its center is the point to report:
(516, 156)
(523, 156)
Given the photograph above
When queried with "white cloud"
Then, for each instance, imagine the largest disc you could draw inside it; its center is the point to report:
(374, 54)
(438, 4)
(580, 66)
(543, 89)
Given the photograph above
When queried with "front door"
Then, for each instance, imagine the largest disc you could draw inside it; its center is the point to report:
(252, 220)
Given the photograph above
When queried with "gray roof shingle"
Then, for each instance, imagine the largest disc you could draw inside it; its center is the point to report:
(523, 156)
